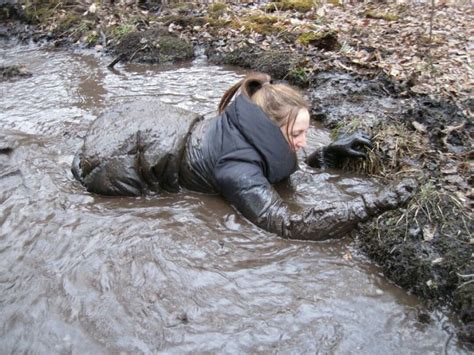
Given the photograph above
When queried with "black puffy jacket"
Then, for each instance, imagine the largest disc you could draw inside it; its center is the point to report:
(239, 154)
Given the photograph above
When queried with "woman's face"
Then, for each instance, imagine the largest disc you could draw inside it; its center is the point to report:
(296, 134)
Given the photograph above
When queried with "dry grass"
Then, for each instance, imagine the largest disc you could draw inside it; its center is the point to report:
(395, 148)
(435, 211)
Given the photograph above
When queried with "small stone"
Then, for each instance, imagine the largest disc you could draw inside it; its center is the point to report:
(424, 318)
(183, 317)
(449, 170)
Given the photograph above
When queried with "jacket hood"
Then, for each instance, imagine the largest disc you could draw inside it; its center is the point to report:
(264, 136)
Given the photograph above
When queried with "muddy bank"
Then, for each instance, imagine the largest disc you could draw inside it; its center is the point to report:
(153, 46)
(426, 247)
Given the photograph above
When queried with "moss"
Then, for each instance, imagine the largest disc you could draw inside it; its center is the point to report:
(182, 20)
(307, 37)
(120, 31)
(326, 40)
(262, 24)
(335, 2)
(68, 21)
(61, 17)
(39, 11)
(217, 23)
(217, 9)
(264, 29)
(262, 19)
(299, 75)
(182, 8)
(381, 16)
(279, 64)
(153, 46)
(172, 49)
(297, 5)
(92, 38)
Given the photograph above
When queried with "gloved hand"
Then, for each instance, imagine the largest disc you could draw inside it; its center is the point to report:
(352, 146)
(391, 197)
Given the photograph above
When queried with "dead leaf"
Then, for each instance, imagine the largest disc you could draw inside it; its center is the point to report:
(419, 126)
(449, 170)
(92, 8)
(428, 232)
(420, 89)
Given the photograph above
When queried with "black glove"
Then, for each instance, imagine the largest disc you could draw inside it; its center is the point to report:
(352, 146)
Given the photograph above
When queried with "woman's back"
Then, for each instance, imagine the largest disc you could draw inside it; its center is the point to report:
(134, 147)
(241, 134)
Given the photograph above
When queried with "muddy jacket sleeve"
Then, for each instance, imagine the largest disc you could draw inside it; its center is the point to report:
(246, 188)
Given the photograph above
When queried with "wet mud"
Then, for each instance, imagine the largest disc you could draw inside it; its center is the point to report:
(176, 272)
(153, 46)
(425, 247)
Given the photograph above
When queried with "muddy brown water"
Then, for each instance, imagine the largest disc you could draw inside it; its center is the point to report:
(81, 273)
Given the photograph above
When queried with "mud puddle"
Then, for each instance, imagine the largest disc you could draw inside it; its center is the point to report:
(176, 273)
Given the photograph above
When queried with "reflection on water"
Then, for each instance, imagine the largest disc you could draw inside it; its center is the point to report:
(181, 273)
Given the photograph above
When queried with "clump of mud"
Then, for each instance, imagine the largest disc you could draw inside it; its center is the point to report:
(426, 248)
(447, 126)
(464, 302)
(12, 71)
(153, 46)
(9, 12)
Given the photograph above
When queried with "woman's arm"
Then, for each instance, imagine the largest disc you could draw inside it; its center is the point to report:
(246, 188)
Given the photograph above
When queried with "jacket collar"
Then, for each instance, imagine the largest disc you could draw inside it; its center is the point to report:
(264, 136)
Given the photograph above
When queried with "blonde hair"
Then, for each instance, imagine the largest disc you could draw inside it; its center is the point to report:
(281, 102)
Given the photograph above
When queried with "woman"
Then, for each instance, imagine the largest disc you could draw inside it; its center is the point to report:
(251, 145)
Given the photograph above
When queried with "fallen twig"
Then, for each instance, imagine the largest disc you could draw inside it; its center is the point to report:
(138, 50)
(116, 60)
